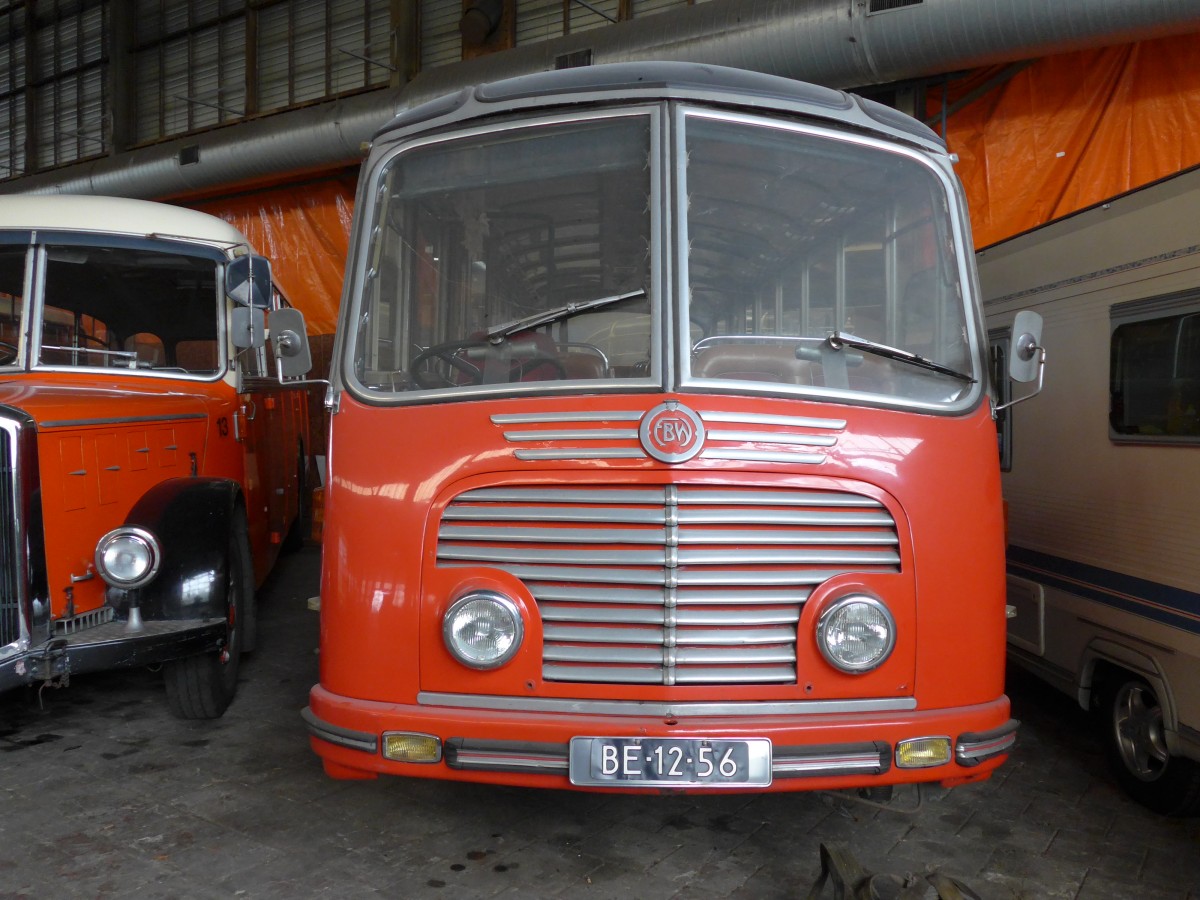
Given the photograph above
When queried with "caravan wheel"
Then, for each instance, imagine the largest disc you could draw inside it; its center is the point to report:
(1137, 750)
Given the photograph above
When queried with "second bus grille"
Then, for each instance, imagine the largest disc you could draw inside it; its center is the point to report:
(10, 597)
(679, 584)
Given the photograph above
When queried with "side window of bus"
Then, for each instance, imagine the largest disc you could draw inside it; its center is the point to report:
(142, 309)
(12, 301)
(1154, 372)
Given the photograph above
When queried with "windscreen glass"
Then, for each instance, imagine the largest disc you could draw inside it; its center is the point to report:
(820, 264)
(515, 259)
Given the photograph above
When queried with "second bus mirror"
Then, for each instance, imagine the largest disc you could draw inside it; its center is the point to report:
(290, 341)
(1026, 354)
(248, 327)
(248, 281)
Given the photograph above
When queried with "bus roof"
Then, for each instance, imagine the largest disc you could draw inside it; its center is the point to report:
(666, 80)
(114, 215)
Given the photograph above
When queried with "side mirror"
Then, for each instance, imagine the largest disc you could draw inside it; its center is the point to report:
(248, 281)
(248, 327)
(1026, 357)
(290, 341)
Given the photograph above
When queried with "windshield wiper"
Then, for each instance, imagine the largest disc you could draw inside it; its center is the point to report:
(839, 339)
(500, 332)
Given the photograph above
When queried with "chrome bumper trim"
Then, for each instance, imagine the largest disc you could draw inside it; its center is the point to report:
(641, 708)
(553, 759)
(810, 762)
(973, 748)
(342, 737)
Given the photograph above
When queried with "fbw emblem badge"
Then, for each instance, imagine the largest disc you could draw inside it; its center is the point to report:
(671, 432)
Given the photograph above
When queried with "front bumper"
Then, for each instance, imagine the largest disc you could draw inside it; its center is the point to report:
(111, 646)
(822, 750)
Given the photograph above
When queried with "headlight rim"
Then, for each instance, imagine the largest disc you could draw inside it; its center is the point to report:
(143, 536)
(506, 603)
(823, 621)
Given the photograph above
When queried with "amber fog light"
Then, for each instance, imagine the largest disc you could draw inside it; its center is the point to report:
(128, 557)
(406, 746)
(483, 629)
(922, 753)
(856, 633)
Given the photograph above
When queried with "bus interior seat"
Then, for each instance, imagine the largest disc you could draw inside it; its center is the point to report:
(753, 361)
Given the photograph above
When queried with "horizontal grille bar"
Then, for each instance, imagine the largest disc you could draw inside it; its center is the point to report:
(747, 656)
(638, 615)
(693, 578)
(683, 675)
(585, 556)
(597, 632)
(659, 536)
(553, 593)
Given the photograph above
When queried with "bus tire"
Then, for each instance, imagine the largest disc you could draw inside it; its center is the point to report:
(203, 686)
(1137, 750)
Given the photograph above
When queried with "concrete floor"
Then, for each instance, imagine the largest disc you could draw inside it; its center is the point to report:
(103, 794)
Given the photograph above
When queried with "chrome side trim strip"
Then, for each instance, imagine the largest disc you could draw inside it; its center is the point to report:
(808, 459)
(769, 437)
(594, 434)
(539, 418)
(615, 453)
(764, 419)
(568, 706)
(118, 420)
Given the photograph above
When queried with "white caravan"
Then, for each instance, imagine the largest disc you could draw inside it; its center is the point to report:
(1102, 474)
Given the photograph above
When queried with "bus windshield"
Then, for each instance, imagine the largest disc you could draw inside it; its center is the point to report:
(539, 256)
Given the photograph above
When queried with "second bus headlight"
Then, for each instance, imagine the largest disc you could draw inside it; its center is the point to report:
(128, 557)
(483, 629)
(856, 633)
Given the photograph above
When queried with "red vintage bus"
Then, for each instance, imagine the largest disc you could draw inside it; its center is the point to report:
(662, 452)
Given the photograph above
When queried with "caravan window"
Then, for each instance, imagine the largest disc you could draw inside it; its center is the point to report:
(1154, 385)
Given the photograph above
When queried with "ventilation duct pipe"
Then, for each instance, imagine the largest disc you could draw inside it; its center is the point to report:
(838, 43)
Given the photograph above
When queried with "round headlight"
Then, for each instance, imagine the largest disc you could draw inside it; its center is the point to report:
(128, 557)
(483, 629)
(856, 633)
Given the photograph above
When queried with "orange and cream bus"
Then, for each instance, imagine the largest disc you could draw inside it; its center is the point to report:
(151, 464)
(662, 451)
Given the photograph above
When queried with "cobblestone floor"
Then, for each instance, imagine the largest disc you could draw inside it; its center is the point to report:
(103, 794)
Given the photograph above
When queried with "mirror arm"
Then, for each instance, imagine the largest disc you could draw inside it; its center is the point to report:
(1029, 349)
(305, 383)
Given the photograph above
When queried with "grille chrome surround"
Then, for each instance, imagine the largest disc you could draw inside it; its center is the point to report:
(741, 436)
(672, 584)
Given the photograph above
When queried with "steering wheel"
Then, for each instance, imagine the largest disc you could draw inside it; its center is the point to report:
(448, 353)
(8, 352)
(519, 367)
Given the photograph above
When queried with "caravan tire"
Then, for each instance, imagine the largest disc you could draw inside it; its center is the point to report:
(1137, 751)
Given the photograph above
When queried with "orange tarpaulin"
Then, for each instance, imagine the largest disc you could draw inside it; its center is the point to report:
(1073, 130)
(304, 229)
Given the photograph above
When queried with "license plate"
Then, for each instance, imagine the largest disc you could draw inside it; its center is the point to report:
(670, 762)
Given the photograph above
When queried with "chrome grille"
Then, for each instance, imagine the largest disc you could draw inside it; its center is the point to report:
(10, 563)
(678, 584)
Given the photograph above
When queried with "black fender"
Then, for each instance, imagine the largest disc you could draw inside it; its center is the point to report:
(192, 519)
